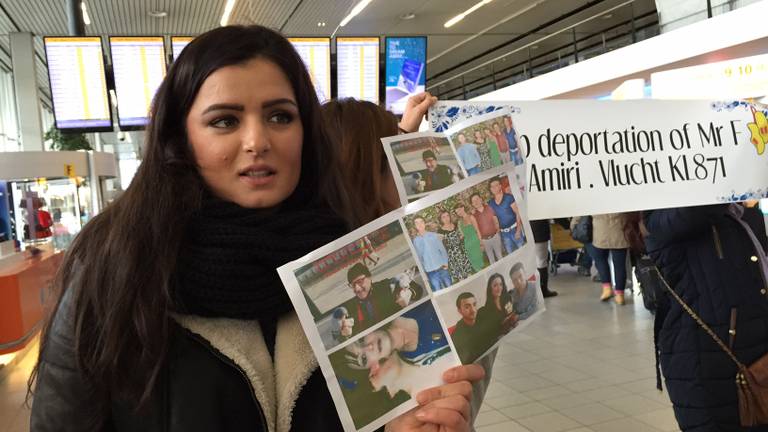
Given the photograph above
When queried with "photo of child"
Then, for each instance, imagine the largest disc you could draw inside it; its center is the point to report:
(390, 365)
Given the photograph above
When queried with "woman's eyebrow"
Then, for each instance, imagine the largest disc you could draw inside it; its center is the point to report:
(224, 106)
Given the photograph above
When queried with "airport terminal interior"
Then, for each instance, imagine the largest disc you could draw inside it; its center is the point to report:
(77, 84)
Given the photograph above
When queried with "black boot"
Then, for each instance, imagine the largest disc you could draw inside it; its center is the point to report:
(544, 278)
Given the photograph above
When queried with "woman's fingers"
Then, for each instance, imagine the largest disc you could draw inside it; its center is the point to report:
(461, 388)
(453, 412)
(471, 372)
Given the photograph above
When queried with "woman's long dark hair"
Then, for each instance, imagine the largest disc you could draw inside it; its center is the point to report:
(124, 258)
(503, 298)
(360, 125)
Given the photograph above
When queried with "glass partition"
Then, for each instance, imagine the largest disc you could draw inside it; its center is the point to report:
(47, 211)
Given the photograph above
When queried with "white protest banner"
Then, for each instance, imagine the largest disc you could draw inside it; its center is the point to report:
(593, 157)
(392, 305)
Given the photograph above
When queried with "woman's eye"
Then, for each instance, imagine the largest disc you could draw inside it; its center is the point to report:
(281, 118)
(224, 123)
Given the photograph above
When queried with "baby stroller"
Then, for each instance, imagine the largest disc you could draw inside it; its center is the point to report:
(565, 250)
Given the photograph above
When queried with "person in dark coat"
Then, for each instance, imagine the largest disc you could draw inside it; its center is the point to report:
(434, 176)
(541, 236)
(714, 258)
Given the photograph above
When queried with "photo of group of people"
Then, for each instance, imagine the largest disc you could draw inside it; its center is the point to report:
(424, 162)
(467, 231)
(361, 284)
(487, 143)
(483, 311)
(391, 364)
(385, 307)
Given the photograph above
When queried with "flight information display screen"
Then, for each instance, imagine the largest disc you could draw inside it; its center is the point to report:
(357, 67)
(178, 43)
(78, 83)
(406, 70)
(139, 67)
(316, 53)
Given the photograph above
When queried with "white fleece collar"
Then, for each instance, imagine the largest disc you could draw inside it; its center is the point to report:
(243, 343)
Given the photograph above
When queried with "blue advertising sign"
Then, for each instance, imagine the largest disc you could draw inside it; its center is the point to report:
(406, 74)
(5, 216)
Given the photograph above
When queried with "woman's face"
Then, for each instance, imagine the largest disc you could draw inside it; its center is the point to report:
(478, 135)
(445, 218)
(496, 287)
(246, 134)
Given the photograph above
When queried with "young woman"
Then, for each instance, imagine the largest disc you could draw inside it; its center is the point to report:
(485, 152)
(498, 313)
(453, 239)
(609, 242)
(471, 233)
(171, 315)
(493, 147)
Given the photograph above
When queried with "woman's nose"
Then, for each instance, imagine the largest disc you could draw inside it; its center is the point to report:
(255, 138)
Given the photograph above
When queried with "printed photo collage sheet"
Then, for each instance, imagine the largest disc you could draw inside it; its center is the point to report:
(437, 283)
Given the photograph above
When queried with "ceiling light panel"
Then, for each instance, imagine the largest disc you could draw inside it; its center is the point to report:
(355, 10)
(464, 14)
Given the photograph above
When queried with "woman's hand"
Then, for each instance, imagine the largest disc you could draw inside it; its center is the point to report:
(445, 408)
(415, 110)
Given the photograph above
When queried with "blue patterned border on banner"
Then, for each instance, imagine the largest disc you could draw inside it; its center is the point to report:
(721, 106)
(446, 115)
(749, 195)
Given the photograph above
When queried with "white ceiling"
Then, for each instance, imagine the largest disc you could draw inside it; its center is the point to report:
(382, 17)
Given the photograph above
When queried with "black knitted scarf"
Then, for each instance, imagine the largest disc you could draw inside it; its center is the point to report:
(228, 262)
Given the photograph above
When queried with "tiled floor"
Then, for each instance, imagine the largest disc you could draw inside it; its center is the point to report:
(14, 417)
(582, 366)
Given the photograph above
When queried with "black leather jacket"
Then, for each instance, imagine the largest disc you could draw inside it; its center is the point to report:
(200, 390)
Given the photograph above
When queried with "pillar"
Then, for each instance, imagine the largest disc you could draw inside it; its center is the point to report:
(25, 86)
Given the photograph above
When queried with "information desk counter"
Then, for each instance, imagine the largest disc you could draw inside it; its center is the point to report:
(24, 288)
